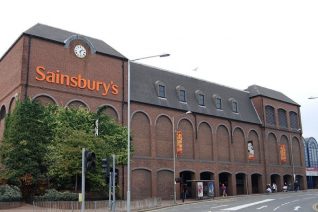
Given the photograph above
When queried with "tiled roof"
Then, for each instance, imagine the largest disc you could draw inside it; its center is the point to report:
(143, 90)
(60, 36)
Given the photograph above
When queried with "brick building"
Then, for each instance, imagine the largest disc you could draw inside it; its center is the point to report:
(244, 139)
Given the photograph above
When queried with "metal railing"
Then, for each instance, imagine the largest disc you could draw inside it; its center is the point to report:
(121, 205)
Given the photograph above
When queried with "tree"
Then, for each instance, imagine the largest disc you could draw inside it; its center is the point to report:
(27, 135)
(74, 130)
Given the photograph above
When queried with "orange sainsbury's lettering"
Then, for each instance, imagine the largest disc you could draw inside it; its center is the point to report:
(57, 77)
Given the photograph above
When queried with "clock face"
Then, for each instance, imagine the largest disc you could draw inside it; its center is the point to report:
(80, 51)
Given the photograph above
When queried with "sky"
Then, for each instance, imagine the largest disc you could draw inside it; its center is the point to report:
(235, 43)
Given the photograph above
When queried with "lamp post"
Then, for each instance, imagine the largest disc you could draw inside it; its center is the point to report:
(174, 158)
(128, 123)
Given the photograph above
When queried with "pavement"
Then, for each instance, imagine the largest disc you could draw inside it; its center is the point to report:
(164, 204)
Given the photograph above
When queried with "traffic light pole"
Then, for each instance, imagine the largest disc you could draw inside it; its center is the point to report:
(113, 182)
(83, 180)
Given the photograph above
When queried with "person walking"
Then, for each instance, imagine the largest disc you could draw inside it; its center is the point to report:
(223, 189)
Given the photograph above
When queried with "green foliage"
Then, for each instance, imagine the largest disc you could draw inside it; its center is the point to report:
(10, 193)
(46, 142)
(26, 137)
(54, 195)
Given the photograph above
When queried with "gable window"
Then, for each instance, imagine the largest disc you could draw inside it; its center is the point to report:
(282, 118)
(162, 91)
(181, 93)
(293, 120)
(234, 107)
(201, 99)
(218, 103)
(182, 96)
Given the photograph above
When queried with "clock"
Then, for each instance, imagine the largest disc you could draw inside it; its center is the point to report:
(80, 51)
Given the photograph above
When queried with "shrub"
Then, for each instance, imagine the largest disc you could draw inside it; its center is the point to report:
(10, 193)
(54, 195)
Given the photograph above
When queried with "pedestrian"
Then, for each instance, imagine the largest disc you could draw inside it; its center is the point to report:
(274, 187)
(223, 189)
(184, 193)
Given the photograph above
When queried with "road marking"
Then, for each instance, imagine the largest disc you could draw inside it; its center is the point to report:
(296, 208)
(285, 204)
(247, 205)
(264, 206)
(219, 206)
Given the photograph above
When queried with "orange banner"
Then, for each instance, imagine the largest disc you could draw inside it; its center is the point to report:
(179, 142)
(283, 157)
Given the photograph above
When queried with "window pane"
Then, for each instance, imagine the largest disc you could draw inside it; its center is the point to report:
(282, 118)
(218, 103)
(201, 99)
(293, 120)
(182, 96)
(162, 91)
(270, 115)
(234, 107)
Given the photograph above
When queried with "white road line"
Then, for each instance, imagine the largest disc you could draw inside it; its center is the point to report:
(264, 206)
(219, 206)
(247, 205)
(285, 204)
(296, 208)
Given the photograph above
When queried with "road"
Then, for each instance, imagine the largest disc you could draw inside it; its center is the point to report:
(302, 201)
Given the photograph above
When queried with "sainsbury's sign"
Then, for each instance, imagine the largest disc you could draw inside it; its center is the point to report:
(58, 77)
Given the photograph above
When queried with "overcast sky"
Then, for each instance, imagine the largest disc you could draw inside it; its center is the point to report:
(234, 43)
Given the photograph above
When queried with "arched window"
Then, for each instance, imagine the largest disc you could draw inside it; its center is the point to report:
(293, 120)
(270, 115)
(282, 118)
(313, 153)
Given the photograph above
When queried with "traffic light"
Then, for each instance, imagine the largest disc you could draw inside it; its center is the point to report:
(90, 160)
(105, 166)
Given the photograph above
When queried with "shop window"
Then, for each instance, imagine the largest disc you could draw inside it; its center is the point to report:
(270, 115)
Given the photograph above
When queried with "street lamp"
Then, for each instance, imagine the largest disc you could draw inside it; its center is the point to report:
(174, 159)
(128, 123)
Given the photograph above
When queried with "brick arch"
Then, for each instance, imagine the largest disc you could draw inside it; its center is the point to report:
(109, 110)
(165, 184)
(272, 149)
(296, 151)
(205, 141)
(187, 138)
(254, 138)
(239, 145)
(140, 131)
(12, 104)
(284, 141)
(223, 143)
(141, 184)
(77, 103)
(164, 137)
(44, 99)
